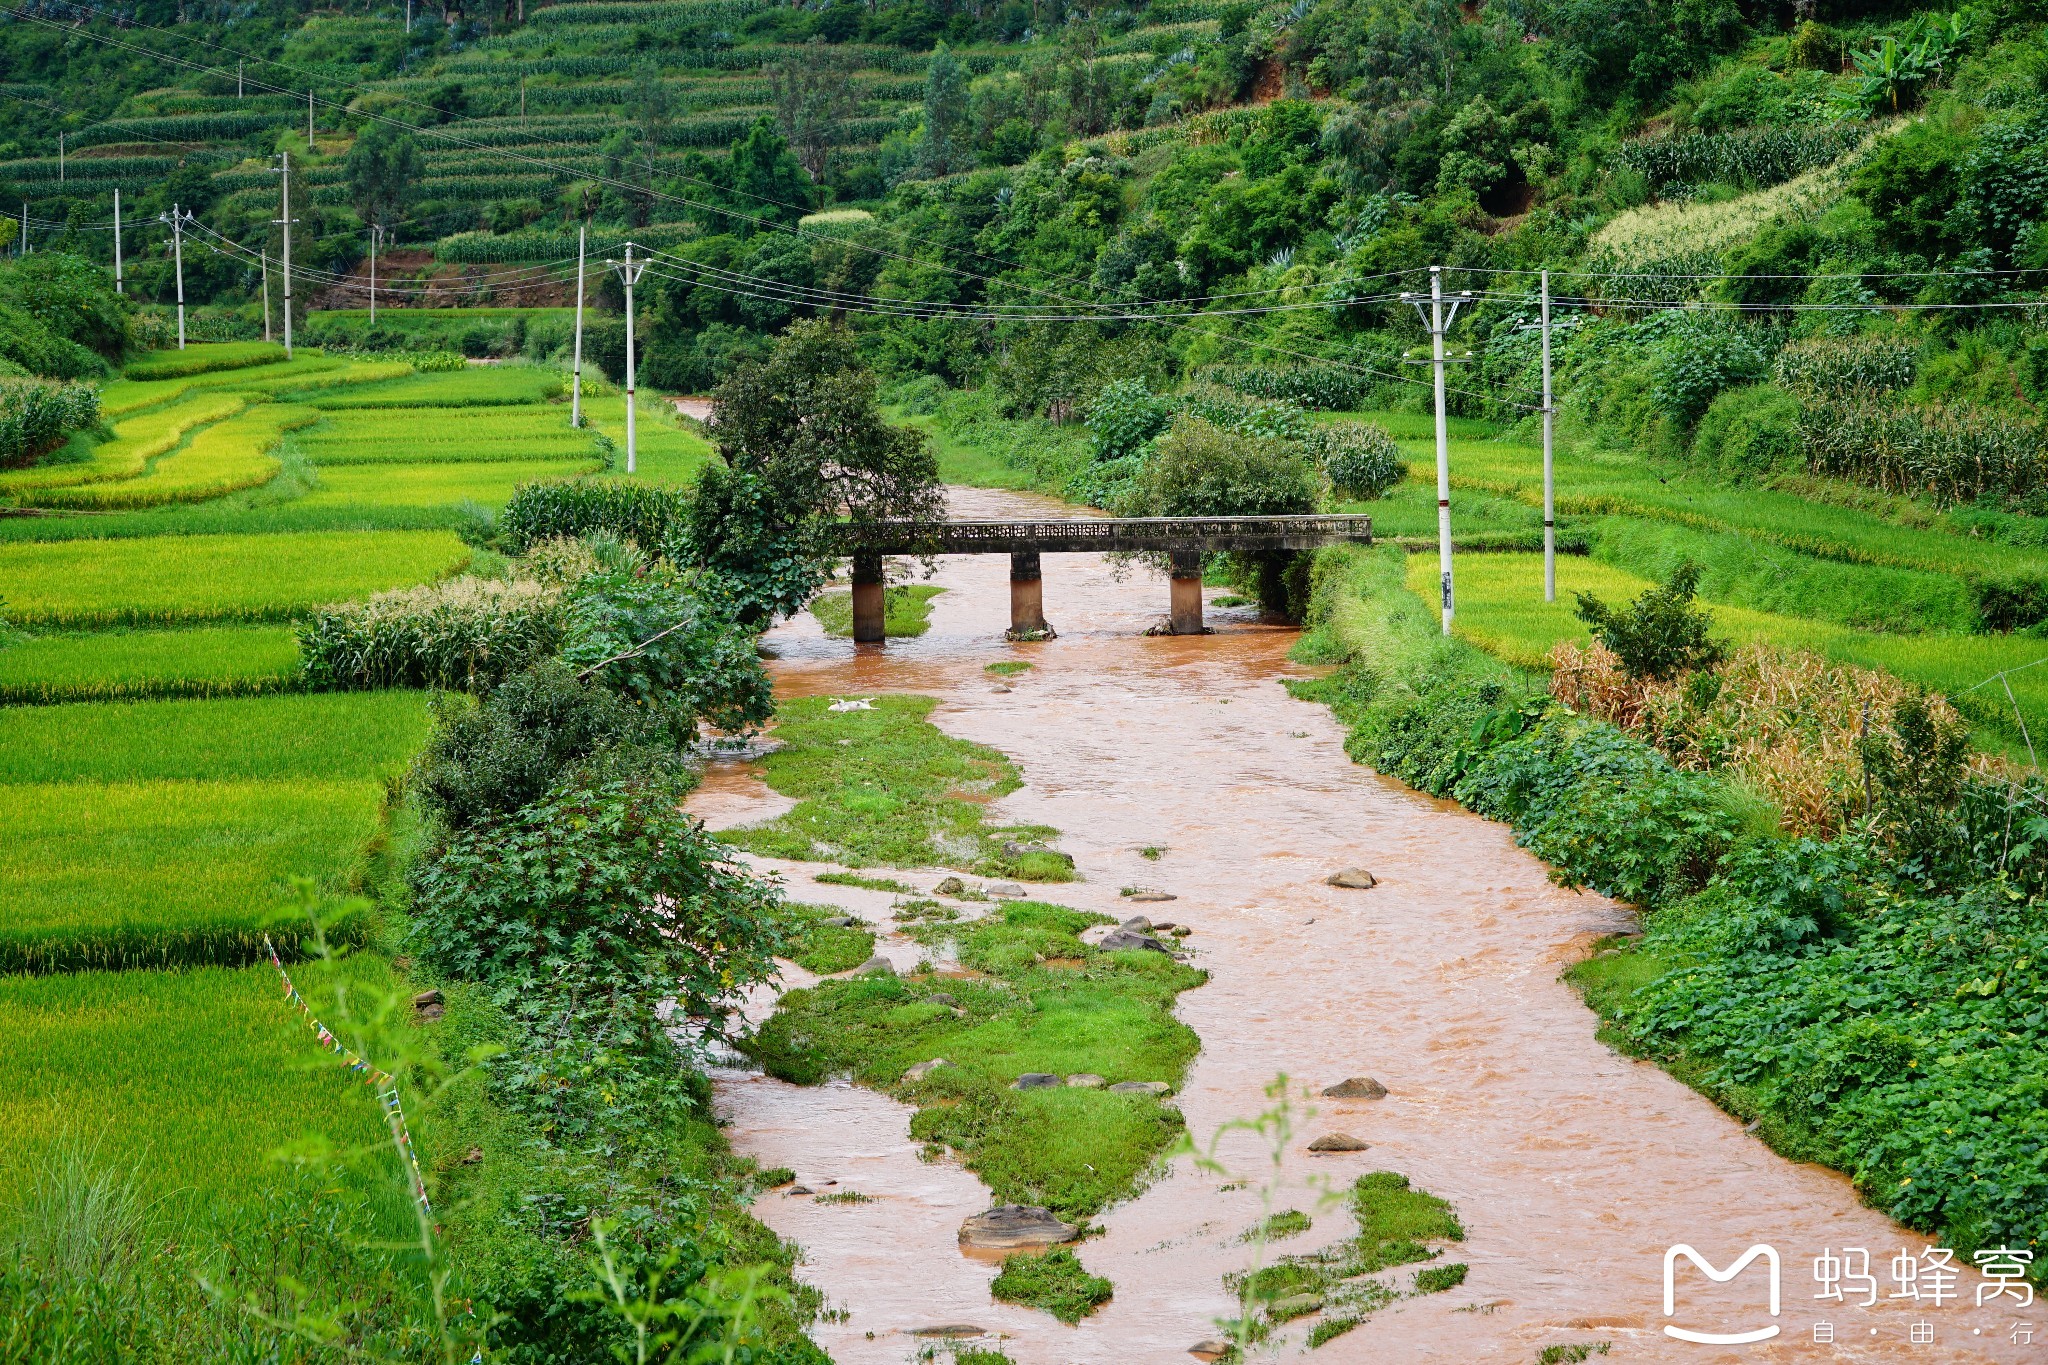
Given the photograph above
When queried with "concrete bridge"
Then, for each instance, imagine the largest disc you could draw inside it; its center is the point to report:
(1183, 539)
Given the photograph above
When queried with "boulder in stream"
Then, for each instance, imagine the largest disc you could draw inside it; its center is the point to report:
(1210, 1349)
(1150, 897)
(923, 1069)
(1036, 1080)
(1141, 1088)
(1357, 1088)
(1006, 891)
(1338, 1142)
(876, 966)
(951, 886)
(1137, 924)
(1121, 940)
(1015, 1227)
(1353, 878)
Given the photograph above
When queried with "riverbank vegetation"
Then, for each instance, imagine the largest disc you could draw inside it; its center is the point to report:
(1836, 896)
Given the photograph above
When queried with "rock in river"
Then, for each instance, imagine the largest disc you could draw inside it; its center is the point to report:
(1150, 897)
(1355, 878)
(1357, 1088)
(1014, 1227)
(1140, 1088)
(1338, 1142)
(1006, 890)
(1137, 924)
(1124, 940)
(1035, 1080)
(1210, 1349)
(952, 886)
(876, 966)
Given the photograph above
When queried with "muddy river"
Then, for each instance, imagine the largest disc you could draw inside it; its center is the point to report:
(1572, 1168)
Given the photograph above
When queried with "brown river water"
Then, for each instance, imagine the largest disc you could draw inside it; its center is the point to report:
(1572, 1168)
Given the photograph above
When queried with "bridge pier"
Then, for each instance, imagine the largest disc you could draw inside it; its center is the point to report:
(1027, 597)
(1184, 615)
(868, 609)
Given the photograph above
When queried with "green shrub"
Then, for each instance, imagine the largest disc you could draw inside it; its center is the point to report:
(37, 417)
(1125, 417)
(643, 513)
(1203, 470)
(1750, 432)
(1311, 386)
(492, 757)
(1361, 459)
(1662, 633)
(651, 636)
(466, 634)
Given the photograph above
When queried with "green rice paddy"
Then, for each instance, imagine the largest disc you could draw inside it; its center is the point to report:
(171, 579)
(321, 736)
(205, 661)
(432, 485)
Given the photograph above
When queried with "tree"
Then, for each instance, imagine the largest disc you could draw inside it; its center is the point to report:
(804, 447)
(813, 98)
(944, 148)
(382, 169)
(1662, 633)
(767, 178)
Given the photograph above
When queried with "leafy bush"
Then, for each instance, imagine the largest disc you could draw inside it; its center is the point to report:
(1124, 417)
(642, 513)
(1361, 459)
(1661, 633)
(1696, 362)
(27, 343)
(1310, 386)
(653, 637)
(582, 913)
(37, 417)
(535, 730)
(1202, 470)
(1750, 432)
(467, 634)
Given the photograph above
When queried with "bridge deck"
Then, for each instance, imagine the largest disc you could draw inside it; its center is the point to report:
(1071, 535)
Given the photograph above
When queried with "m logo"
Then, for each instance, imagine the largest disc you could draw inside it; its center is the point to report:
(1770, 1257)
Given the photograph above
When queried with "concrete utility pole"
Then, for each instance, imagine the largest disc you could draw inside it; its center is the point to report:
(284, 167)
(119, 288)
(309, 122)
(1439, 322)
(629, 272)
(576, 367)
(60, 158)
(264, 259)
(238, 80)
(22, 249)
(177, 218)
(1549, 436)
(376, 231)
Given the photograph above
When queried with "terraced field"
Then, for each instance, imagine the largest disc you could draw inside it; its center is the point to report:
(168, 784)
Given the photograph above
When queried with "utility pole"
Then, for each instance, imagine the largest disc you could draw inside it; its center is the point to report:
(238, 80)
(629, 272)
(576, 369)
(60, 158)
(264, 259)
(309, 121)
(119, 288)
(1439, 322)
(1549, 483)
(23, 249)
(376, 231)
(177, 218)
(284, 166)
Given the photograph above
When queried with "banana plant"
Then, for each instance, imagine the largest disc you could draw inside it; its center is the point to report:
(1889, 73)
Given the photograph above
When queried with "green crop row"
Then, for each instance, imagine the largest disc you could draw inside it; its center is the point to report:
(486, 483)
(483, 248)
(137, 441)
(479, 386)
(220, 127)
(169, 580)
(1754, 158)
(204, 359)
(722, 13)
(121, 665)
(235, 454)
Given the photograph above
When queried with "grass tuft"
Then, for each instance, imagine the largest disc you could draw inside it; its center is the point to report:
(1054, 1281)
